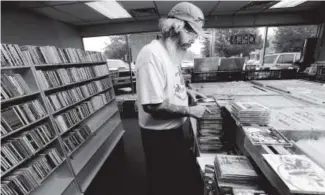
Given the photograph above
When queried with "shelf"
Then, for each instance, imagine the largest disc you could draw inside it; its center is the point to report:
(14, 67)
(74, 104)
(69, 64)
(79, 146)
(88, 138)
(24, 160)
(54, 186)
(73, 126)
(16, 99)
(47, 176)
(93, 173)
(72, 84)
(82, 158)
(24, 127)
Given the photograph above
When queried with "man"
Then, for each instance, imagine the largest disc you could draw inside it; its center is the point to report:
(163, 101)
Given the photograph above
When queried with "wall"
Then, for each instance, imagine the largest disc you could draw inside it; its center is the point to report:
(320, 48)
(26, 28)
(249, 20)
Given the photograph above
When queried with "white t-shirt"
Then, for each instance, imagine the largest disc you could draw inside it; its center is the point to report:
(157, 80)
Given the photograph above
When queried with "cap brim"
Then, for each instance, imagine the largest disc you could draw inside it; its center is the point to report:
(199, 30)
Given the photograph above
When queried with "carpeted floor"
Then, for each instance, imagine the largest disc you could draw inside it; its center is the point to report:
(124, 171)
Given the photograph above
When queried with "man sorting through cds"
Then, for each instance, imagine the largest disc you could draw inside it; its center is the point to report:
(163, 99)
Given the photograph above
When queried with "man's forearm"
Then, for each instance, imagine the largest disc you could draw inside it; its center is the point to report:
(166, 110)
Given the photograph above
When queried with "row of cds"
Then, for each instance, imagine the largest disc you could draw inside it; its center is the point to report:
(64, 76)
(71, 117)
(210, 133)
(13, 85)
(23, 146)
(251, 113)
(26, 179)
(15, 117)
(76, 138)
(15, 55)
(63, 99)
(236, 175)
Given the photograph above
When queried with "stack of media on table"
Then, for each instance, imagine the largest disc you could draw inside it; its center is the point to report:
(15, 55)
(305, 90)
(235, 174)
(291, 119)
(299, 123)
(263, 135)
(313, 147)
(250, 113)
(210, 132)
(298, 173)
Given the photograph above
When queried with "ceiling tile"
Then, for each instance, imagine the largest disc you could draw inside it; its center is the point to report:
(81, 23)
(206, 6)
(81, 11)
(30, 4)
(220, 13)
(230, 5)
(147, 18)
(248, 11)
(60, 2)
(136, 4)
(56, 14)
(165, 6)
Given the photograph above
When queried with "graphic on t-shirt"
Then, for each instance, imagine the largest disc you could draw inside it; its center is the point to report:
(179, 87)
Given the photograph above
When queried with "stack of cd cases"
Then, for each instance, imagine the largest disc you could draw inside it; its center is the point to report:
(26, 179)
(210, 134)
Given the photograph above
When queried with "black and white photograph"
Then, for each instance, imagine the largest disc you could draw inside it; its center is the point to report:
(124, 97)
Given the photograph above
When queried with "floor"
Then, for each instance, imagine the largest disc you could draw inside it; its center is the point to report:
(124, 171)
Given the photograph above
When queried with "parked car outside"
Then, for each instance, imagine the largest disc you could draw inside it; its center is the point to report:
(120, 73)
(280, 61)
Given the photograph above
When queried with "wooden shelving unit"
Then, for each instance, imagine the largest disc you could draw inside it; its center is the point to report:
(104, 123)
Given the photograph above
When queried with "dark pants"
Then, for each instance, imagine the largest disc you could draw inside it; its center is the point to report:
(166, 155)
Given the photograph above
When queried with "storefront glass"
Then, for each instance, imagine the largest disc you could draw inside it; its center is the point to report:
(285, 43)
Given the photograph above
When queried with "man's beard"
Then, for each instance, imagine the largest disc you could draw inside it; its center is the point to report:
(176, 50)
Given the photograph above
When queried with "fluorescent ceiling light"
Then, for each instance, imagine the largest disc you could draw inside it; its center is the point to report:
(110, 9)
(288, 3)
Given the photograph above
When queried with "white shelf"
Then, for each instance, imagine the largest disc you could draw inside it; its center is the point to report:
(62, 180)
(56, 183)
(101, 156)
(19, 98)
(80, 158)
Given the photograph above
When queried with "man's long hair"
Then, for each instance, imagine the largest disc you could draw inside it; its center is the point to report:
(170, 27)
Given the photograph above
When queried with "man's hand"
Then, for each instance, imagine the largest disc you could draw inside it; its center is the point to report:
(197, 111)
(194, 94)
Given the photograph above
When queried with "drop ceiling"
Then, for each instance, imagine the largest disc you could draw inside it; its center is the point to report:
(78, 14)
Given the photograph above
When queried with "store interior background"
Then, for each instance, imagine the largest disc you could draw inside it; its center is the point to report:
(72, 24)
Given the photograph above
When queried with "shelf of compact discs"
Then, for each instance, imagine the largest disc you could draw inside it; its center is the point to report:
(47, 94)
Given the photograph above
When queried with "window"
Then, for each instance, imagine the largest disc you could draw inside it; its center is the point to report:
(237, 42)
(270, 59)
(298, 56)
(286, 59)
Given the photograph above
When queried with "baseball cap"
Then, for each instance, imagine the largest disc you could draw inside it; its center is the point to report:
(190, 13)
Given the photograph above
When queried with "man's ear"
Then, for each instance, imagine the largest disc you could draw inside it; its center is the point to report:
(178, 27)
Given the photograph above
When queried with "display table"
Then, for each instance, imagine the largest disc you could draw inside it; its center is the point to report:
(283, 103)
